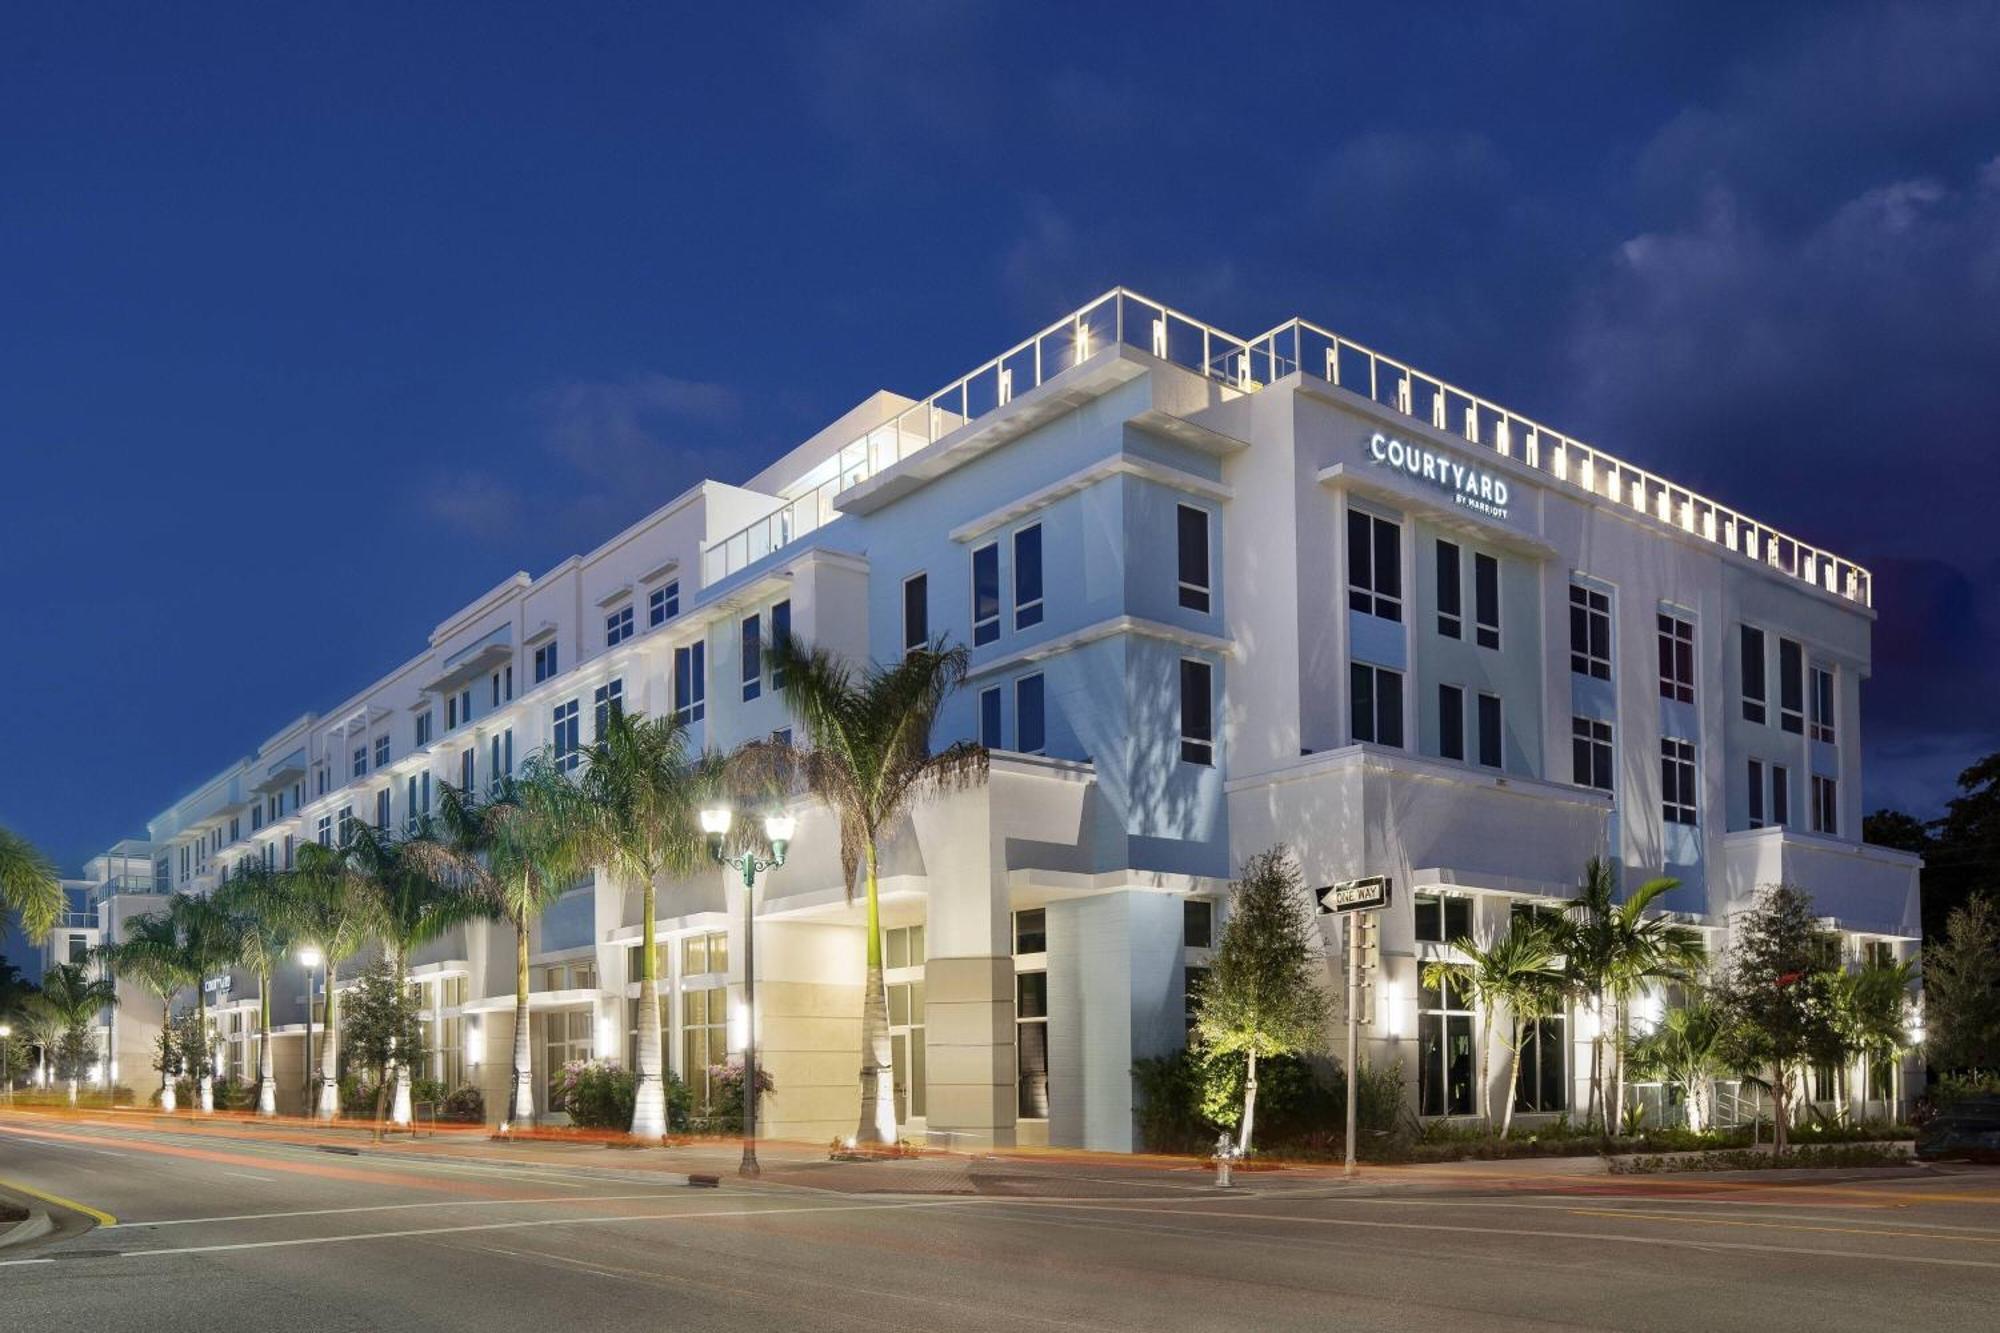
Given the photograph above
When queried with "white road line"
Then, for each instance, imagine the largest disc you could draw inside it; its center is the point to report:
(247, 1176)
(17, 1263)
(389, 1208)
(541, 1222)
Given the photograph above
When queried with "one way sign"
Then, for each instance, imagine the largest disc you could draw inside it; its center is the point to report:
(1355, 895)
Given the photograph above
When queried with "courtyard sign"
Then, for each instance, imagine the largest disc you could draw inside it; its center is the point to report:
(1474, 488)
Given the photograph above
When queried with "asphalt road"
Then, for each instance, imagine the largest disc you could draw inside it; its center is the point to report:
(217, 1234)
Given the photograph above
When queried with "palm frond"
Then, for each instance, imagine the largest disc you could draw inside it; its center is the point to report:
(29, 885)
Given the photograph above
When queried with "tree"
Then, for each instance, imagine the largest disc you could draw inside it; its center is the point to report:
(1262, 998)
(149, 952)
(1871, 1011)
(209, 944)
(869, 759)
(1689, 1050)
(416, 900)
(28, 885)
(71, 999)
(256, 900)
(516, 854)
(1962, 989)
(1775, 995)
(642, 794)
(1964, 852)
(328, 905)
(384, 1029)
(1610, 951)
(1519, 973)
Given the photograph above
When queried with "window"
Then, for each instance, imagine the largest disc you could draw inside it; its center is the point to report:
(753, 657)
(1486, 599)
(382, 810)
(1197, 923)
(1676, 659)
(319, 779)
(664, 603)
(1489, 731)
(256, 817)
(1197, 713)
(423, 728)
(1376, 708)
(503, 686)
(1756, 792)
(563, 736)
(1031, 931)
(1031, 1043)
(451, 1051)
(235, 827)
(1677, 804)
(565, 1037)
(466, 771)
(1822, 704)
(345, 830)
(417, 800)
(1028, 577)
(704, 1041)
(360, 760)
(989, 717)
(545, 662)
(1781, 796)
(381, 752)
(1374, 566)
(1590, 753)
(916, 612)
(499, 767)
(1030, 730)
(1442, 918)
(1825, 805)
(1191, 542)
(1451, 598)
(1791, 686)
(1542, 1085)
(608, 702)
(618, 627)
(325, 831)
(986, 594)
(781, 632)
(690, 687)
(705, 953)
(1589, 632)
(1451, 722)
(1752, 658)
(1445, 1060)
(904, 946)
(906, 1045)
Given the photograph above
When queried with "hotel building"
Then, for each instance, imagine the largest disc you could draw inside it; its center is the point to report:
(1220, 593)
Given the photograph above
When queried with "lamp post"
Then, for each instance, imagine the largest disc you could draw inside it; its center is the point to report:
(311, 957)
(715, 822)
(6, 1079)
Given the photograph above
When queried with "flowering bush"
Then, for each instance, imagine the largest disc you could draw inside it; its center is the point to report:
(595, 1094)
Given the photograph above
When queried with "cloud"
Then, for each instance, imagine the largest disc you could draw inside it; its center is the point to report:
(624, 430)
(473, 504)
(884, 74)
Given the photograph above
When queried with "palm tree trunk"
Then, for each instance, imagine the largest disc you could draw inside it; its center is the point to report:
(205, 1084)
(878, 1078)
(1485, 1093)
(1249, 1103)
(168, 1099)
(1513, 1081)
(1596, 1108)
(329, 1056)
(267, 1080)
(400, 1110)
(1618, 1065)
(523, 1111)
(649, 1089)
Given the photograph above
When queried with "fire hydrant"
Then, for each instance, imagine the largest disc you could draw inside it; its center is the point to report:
(1225, 1150)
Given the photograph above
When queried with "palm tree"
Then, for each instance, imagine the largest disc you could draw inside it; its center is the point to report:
(256, 900)
(1610, 950)
(415, 903)
(1689, 1050)
(28, 885)
(150, 954)
(870, 759)
(517, 853)
(641, 793)
(209, 943)
(1871, 1007)
(1518, 972)
(71, 998)
(331, 908)
(42, 1028)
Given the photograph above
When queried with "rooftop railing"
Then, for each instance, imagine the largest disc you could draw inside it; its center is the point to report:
(1246, 365)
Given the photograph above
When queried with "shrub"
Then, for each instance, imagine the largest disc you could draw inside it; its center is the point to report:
(596, 1095)
(427, 1090)
(1187, 1098)
(1815, 1156)
(464, 1105)
(725, 1114)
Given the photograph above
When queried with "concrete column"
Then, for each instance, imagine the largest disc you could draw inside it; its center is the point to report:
(808, 1028)
(1115, 996)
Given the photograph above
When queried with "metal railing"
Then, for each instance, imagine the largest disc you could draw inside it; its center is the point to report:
(1246, 365)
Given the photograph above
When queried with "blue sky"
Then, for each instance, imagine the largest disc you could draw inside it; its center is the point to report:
(315, 324)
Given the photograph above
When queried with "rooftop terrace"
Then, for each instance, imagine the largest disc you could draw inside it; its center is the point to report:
(1122, 317)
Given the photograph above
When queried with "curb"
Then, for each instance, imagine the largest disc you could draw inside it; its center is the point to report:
(34, 1226)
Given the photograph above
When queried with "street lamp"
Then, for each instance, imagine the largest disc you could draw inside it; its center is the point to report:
(6, 1079)
(312, 958)
(715, 821)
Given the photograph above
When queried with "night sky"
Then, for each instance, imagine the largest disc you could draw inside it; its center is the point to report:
(312, 328)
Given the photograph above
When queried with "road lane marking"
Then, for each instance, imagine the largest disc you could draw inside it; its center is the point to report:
(394, 1207)
(247, 1176)
(1783, 1226)
(97, 1215)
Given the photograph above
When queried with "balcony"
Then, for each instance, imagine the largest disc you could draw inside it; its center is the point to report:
(1296, 346)
(1865, 888)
